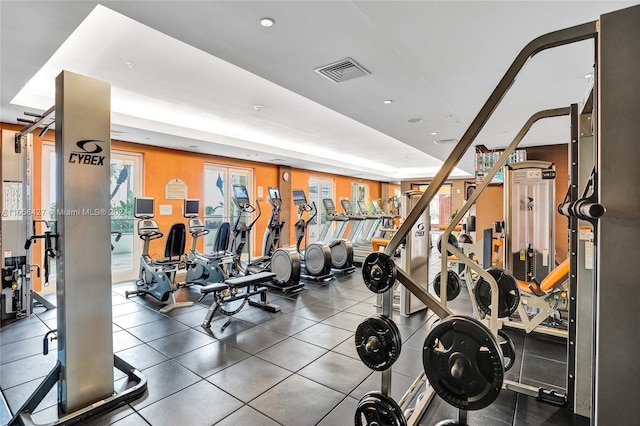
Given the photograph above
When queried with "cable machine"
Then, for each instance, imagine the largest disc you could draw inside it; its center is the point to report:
(81, 244)
(469, 372)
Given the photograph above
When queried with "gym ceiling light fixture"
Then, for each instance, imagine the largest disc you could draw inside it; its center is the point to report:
(587, 76)
(387, 101)
(267, 22)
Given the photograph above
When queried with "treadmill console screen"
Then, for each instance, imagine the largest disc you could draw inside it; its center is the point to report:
(328, 205)
(346, 205)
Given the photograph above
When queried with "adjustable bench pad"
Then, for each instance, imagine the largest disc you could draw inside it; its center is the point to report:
(250, 279)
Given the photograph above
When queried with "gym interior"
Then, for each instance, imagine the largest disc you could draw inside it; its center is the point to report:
(319, 213)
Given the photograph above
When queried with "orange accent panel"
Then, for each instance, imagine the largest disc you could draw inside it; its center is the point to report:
(555, 277)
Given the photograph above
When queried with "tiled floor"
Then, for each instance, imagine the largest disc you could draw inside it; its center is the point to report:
(296, 367)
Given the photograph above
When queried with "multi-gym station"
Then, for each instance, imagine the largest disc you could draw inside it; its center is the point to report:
(319, 213)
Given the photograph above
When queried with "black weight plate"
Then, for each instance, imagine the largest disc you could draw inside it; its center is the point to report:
(453, 285)
(377, 409)
(508, 349)
(452, 240)
(508, 293)
(463, 363)
(379, 272)
(378, 342)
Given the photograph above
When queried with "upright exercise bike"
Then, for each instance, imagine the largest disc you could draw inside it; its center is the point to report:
(284, 262)
(316, 256)
(201, 269)
(157, 276)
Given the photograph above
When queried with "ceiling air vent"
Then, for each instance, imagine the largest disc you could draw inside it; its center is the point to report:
(452, 141)
(340, 71)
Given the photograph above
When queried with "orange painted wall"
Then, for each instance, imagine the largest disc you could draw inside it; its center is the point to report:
(161, 165)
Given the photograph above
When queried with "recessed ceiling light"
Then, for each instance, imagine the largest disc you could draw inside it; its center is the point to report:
(415, 120)
(434, 133)
(258, 107)
(130, 64)
(267, 22)
(388, 101)
(588, 75)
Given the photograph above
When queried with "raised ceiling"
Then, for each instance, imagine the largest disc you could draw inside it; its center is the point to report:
(193, 75)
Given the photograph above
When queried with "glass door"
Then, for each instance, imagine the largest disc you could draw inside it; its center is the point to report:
(126, 183)
(218, 206)
(319, 188)
(359, 192)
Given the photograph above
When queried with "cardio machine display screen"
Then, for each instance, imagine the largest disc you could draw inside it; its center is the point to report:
(363, 206)
(240, 194)
(328, 204)
(346, 205)
(143, 207)
(274, 194)
(299, 197)
(191, 208)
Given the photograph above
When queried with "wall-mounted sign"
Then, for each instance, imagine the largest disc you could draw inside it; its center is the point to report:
(176, 189)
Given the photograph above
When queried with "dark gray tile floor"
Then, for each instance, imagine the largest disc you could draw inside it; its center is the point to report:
(296, 367)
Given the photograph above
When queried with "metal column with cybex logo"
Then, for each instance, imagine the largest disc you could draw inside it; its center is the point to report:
(83, 148)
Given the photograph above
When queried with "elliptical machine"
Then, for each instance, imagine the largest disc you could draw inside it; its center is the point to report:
(271, 239)
(284, 262)
(316, 256)
(341, 249)
(157, 276)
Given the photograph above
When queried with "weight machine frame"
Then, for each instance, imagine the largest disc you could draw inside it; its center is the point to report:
(85, 361)
(622, 23)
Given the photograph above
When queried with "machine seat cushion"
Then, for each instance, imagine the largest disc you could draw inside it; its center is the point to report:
(250, 279)
(164, 261)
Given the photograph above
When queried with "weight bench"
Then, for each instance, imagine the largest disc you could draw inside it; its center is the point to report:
(232, 290)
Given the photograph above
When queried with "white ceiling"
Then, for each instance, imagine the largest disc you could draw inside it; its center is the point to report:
(199, 69)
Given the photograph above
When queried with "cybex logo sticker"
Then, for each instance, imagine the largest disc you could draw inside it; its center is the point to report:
(90, 149)
(420, 230)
